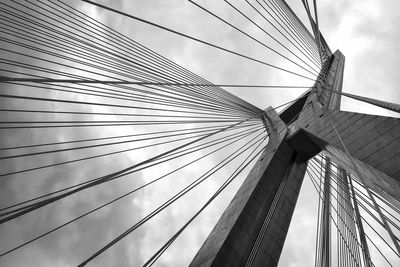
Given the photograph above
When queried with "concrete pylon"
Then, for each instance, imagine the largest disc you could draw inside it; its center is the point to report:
(253, 228)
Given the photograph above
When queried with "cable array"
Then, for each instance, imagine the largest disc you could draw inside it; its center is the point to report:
(87, 109)
(361, 238)
(81, 95)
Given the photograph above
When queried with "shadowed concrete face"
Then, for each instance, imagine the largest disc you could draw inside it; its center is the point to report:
(253, 228)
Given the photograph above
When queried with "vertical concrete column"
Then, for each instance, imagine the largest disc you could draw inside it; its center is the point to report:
(326, 220)
(252, 230)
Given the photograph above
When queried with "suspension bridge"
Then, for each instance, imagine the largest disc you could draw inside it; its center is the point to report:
(96, 125)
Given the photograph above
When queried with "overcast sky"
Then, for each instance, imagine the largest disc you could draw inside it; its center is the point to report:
(364, 30)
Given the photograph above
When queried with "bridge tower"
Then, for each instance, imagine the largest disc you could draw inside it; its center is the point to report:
(253, 228)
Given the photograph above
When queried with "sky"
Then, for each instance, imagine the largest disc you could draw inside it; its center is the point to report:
(364, 31)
